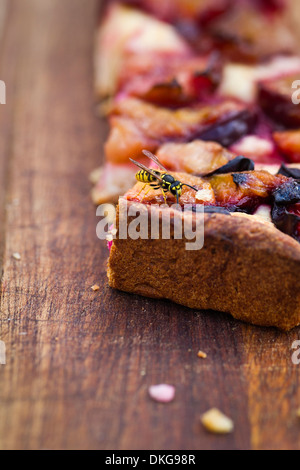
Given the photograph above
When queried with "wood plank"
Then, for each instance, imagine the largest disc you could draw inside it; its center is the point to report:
(273, 388)
(3, 12)
(55, 142)
(79, 377)
(78, 362)
(7, 74)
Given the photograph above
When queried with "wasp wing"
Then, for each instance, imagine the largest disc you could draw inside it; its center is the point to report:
(143, 167)
(154, 159)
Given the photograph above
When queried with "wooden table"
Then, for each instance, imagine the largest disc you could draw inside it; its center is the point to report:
(78, 362)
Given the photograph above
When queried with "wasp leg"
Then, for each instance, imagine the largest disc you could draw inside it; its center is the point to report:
(157, 186)
(142, 189)
(145, 193)
(164, 194)
(177, 197)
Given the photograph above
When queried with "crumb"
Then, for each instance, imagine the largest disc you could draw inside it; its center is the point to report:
(202, 355)
(215, 421)
(162, 393)
(298, 413)
(95, 288)
(203, 195)
(16, 256)
(95, 175)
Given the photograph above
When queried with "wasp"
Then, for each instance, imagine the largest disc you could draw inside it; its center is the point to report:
(159, 179)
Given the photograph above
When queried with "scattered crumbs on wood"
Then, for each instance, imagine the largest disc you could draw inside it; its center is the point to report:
(143, 373)
(216, 422)
(202, 354)
(163, 393)
(298, 413)
(23, 333)
(16, 256)
(95, 288)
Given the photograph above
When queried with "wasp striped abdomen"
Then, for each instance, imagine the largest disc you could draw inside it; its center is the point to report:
(144, 176)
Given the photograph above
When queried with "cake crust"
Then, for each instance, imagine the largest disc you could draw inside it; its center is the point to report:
(246, 268)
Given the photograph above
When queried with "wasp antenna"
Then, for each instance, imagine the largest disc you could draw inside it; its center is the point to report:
(189, 186)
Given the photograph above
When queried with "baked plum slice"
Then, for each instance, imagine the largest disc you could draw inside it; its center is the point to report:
(180, 84)
(137, 54)
(230, 130)
(196, 157)
(255, 33)
(275, 98)
(287, 219)
(136, 125)
(288, 143)
(243, 191)
(132, 46)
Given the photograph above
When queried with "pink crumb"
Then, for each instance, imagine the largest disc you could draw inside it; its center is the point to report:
(162, 393)
(109, 238)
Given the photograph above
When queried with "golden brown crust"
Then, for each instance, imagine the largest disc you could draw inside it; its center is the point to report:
(247, 268)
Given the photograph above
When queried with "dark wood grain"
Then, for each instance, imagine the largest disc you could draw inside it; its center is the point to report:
(79, 362)
(5, 117)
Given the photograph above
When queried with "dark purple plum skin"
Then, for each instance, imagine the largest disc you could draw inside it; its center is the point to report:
(229, 131)
(279, 107)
